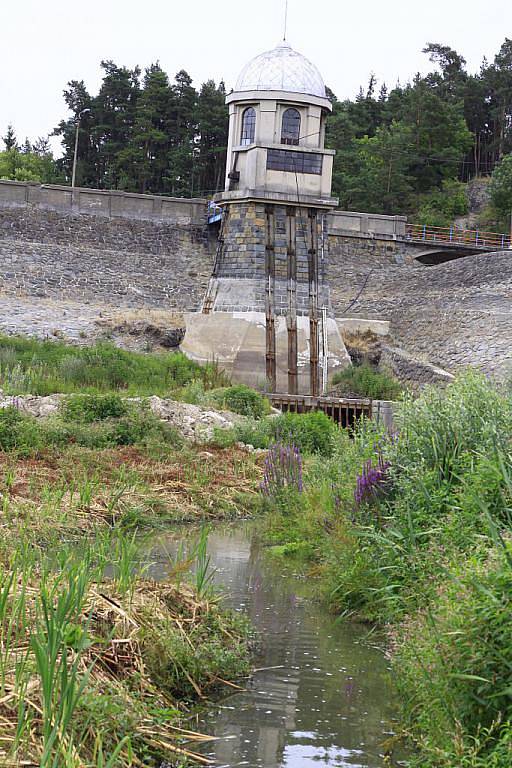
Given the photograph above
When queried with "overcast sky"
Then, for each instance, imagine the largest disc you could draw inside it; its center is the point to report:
(45, 43)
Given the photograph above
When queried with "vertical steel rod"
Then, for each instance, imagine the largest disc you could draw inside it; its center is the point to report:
(291, 317)
(270, 330)
(313, 302)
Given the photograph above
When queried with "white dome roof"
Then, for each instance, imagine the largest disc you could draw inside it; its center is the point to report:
(281, 69)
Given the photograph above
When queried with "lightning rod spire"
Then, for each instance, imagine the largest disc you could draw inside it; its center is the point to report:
(285, 18)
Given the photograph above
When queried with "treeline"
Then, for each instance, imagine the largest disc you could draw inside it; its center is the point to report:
(403, 150)
(147, 134)
(140, 133)
(396, 149)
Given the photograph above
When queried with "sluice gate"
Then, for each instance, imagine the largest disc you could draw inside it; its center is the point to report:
(344, 411)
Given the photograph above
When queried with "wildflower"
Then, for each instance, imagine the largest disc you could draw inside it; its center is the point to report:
(372, 480)
(282, 469)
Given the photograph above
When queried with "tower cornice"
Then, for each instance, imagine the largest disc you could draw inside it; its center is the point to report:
(241, 97)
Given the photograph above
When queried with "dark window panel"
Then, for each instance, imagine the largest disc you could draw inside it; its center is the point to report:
(295, 162)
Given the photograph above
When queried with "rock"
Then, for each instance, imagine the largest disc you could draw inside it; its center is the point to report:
(412, 371)
(250, 448)
(193, 422)
(33, 405)
(171, 338)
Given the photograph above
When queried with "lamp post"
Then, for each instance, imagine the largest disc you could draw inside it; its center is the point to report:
(80, 115)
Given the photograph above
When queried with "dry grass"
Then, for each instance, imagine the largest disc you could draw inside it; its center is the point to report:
(363, 341)
(69, 494)
(115, 666)
(158, 318)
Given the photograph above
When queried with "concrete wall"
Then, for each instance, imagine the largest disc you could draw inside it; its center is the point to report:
(115, 204)
(366, 225)
(109, 204)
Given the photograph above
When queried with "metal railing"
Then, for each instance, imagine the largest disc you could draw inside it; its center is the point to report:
(344, 411)
(473, 238)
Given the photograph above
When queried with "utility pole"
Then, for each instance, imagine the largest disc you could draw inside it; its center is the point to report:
(80, 115)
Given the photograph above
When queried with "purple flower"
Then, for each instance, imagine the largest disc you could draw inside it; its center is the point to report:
(282, 469)
(372, 480)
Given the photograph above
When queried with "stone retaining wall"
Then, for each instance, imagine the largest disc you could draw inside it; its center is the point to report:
(143, 251)
(172, 279)
(454, 315)
(94, 259)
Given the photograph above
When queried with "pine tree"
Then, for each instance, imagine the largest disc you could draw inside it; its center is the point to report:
(9, 139)
(147, 150)
(212, 141)
(114, 110)
(183, 130)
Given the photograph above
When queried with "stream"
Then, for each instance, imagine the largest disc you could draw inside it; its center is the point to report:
(322, 696)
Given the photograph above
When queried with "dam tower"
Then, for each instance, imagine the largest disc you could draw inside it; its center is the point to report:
(266, 316)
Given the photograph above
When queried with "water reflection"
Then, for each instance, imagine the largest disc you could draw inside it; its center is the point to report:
(320, 697)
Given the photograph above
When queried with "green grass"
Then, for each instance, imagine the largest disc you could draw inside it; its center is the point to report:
(365, 381)
(97, 671)
(430, 557)
(46, 367)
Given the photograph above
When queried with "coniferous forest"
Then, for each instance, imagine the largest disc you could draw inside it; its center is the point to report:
(401, 149)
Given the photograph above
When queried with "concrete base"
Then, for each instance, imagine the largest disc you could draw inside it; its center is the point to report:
(236, 341)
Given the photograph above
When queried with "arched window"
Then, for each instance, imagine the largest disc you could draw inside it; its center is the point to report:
(248, 126)
(290, 128)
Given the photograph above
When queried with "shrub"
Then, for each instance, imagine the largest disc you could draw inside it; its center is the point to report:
(89, 408)
(18, 432)
(310, 432)
(365, 381)
(255, 433)
(243, 400)
(140, 426)
(224, 438)
(501, 188)
(439, 208)
(10, 420)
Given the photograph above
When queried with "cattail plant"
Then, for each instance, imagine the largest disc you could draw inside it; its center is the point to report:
(283, 470)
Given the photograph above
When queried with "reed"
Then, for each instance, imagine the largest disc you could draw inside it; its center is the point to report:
(76, 644)
(204, 573)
